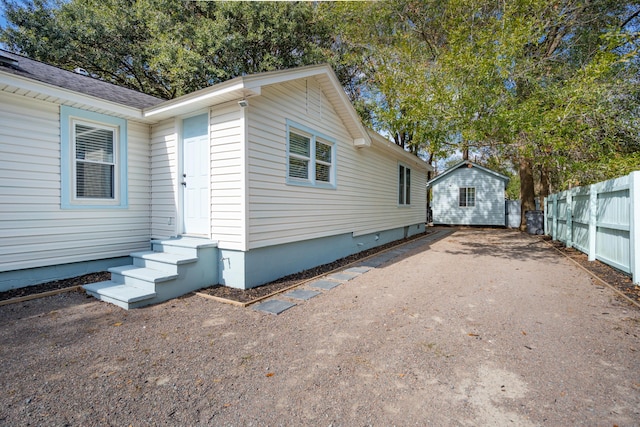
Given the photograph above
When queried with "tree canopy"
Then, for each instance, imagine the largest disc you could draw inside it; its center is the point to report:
(166, 47)
(548, 89)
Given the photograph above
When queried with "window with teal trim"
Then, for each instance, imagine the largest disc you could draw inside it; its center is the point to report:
(311, 157)
(93, 162)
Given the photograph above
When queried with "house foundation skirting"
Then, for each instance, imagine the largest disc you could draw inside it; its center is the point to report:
(245, 270)
(33, 276)
(237, 269)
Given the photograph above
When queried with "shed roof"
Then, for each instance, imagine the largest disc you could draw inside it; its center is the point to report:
(466, 164)
(22, 66)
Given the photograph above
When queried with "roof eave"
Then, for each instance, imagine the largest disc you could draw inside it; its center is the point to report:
(68, 95)
(233, 89)
(457, 165)
(249, 86)
(408, 158)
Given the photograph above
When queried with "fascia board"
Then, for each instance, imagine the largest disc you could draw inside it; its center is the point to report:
(274, 77)
(445, 174)
(69, 95)
(193, 99)
(489, 171)
(386, 145)
(245, 85)
(353, 114)
(494, 173)
(457, 165)
(281, 76)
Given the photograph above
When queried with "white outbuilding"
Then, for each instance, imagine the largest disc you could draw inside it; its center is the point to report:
(468, 194)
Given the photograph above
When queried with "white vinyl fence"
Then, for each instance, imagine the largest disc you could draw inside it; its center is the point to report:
(601, 220)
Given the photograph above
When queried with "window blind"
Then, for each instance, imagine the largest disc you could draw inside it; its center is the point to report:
(94, 152)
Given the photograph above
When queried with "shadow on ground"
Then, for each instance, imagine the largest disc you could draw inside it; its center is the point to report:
(506, 244)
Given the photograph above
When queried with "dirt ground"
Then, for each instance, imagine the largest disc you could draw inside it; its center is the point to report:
(482, 328)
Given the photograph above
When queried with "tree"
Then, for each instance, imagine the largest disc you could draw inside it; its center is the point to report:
(550, 85)
(573, 94)
(168, 47)
(382, 46)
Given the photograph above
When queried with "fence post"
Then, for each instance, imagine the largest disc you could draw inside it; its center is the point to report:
(634, 225)
(546, 216)
(554, 219)
(593, 218)
(569, 236)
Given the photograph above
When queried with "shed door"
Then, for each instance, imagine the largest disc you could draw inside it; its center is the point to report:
(195, 175)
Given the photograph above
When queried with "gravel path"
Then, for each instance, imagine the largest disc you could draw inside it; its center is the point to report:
(484, 327)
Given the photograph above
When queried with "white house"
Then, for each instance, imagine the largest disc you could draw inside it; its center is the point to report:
(468, 194)
(238, 184)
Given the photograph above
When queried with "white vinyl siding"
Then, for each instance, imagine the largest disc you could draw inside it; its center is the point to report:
(365, 199)
(164, 179)
(35, 230)
(488, 199)
(227, 176)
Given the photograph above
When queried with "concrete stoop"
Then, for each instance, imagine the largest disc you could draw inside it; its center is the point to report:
(174, 267)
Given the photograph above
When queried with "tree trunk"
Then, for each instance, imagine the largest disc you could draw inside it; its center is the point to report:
(545, 183)
(465, 152)
(527, 192)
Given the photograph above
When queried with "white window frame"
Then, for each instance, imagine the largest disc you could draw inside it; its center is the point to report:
(404, 185)
(315, 138)
(69, 119)
(466, 197)
(113, 164)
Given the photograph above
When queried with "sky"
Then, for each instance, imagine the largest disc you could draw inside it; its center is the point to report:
(3, 21)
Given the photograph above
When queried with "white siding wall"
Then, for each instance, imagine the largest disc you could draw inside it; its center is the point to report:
(34, 231)
(367, 178)
(227, 176)
(164, 179)
(489, 208)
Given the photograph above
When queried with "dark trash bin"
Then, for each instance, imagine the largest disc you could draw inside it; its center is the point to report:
(535, 222)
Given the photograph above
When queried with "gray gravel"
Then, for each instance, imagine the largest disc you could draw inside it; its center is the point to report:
(482, 328)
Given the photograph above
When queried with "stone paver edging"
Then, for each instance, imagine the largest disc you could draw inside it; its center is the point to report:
(352, 270)
(344, 274)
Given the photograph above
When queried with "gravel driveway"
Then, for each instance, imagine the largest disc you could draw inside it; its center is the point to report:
(482, 328)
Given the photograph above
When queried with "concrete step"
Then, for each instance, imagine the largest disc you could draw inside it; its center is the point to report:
(182, 245)
(161, 261)
(172, 269)
(141, 277)
(125, 296)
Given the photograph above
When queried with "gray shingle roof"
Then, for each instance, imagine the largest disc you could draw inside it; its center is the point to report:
(29, 68)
